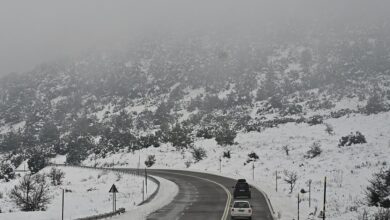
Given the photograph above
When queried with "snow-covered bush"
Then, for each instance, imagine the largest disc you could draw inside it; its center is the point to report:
(252, 157)
(378, 193)
(357, 138)
(56, 176)
(198, 154)
(315, 150)
(32, 193)
(292, 109)
(7, 171)
(315, 120)
(148, 141)
(226, 154)
(382, 214)
(206, 133)
(150, 161)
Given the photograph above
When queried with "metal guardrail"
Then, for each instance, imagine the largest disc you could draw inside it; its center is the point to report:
(105, 215)
(122, 170)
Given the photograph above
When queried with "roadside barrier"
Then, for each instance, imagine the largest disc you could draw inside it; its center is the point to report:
(121, 170)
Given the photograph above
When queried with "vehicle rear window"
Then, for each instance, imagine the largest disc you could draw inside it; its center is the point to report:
(242, 185)
(241, 205)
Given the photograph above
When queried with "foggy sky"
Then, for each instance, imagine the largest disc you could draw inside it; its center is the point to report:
(36, 31)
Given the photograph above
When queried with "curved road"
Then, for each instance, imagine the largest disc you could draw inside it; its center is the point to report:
(204, 197)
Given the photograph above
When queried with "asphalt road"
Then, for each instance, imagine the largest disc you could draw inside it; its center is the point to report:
(204, 197)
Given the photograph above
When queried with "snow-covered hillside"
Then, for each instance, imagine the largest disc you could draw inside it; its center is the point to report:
(348, 169)
(87, 194)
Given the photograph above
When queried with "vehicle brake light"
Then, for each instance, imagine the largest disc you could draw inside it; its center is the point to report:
(249, 210)
(232, 210)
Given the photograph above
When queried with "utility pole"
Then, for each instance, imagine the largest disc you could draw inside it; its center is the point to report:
(253, 170)
(143, 190)
(139, 161)
(146, 182)
(63, 194)
(323, 217)
(309, 193)
(276, 181)
(220, 164)
(299, 201)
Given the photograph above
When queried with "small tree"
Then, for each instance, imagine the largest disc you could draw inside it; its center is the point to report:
(252, 157)
(378, 193)
(180, 137)
(37, 162)
(32, 193)
(150, 161)
(286, 149)
(315, 150)
(56, 176)
(226, 154)
(198, 154)
(225, 135)
(291, 178)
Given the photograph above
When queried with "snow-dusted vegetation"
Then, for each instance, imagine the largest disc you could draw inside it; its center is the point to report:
(86, 194)
(348, 168)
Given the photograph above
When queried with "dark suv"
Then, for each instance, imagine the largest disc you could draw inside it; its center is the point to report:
(242, 189)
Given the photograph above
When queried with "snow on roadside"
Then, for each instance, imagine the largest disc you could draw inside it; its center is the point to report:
(348, 169)
(89, 194)
(168, 191)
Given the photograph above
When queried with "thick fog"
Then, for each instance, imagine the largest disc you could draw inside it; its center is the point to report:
(38, 31)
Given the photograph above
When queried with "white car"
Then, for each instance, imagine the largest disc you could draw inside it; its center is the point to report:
(241, 210)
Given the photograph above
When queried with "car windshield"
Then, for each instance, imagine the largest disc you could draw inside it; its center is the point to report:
(241, 205)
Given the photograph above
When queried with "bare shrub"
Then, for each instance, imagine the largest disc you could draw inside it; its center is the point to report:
(56, 176)
(329, 129)
(198, 154)
(188, 163)
(286, 149)
(315, 150)
(291, 178)
(32, 193)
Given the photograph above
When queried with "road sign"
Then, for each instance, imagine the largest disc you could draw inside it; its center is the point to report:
(113, 189)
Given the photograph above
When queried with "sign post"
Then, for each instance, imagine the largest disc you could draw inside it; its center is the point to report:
(62, 213)
(113, 190)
